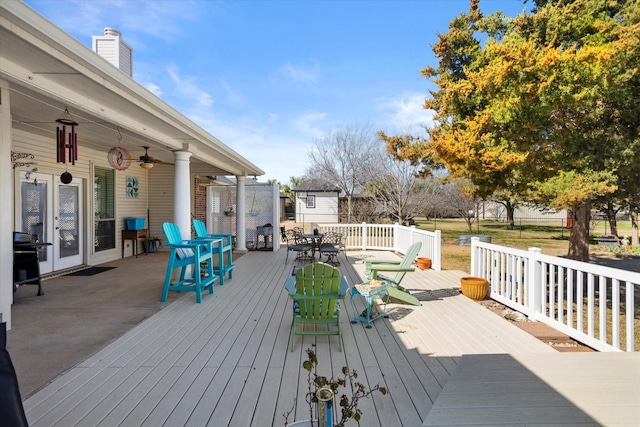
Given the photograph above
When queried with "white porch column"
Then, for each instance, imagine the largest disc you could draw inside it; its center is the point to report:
(241, 212)
(182, 191)
(6, 215)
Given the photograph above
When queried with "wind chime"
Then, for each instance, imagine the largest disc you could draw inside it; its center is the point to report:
(63, 143)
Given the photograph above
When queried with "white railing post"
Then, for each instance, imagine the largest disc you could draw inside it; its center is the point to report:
(475, 258)
(437, 251)
(629, 312)
(396, 244)
(535, 284)
(364, 236)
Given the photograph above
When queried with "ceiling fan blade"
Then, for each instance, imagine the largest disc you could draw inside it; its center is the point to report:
(161, 162)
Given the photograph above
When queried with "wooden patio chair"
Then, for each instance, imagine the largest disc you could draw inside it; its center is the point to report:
(185, 254)
(400, 268)
(222, 247)
(316, 290)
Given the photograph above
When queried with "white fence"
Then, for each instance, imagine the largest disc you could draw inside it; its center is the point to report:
(590, 303)
(393, 237)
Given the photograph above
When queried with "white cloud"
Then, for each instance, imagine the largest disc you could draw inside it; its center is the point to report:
(188, 87)
(233, 96)
(305, 123)
(300, 73)
(154, 88)
(279, 152)
(406, 111)
(163, 19)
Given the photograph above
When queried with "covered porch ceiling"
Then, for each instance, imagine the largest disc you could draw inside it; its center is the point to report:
(48, 70)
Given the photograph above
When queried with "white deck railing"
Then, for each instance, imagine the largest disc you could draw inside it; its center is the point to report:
(394, 237)
(592, 304)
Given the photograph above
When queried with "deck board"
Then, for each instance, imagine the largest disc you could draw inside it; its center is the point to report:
(558, 389)
(226, 361)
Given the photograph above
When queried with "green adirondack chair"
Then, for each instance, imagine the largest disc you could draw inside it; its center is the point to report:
(316, 288)
(186, 253)
(222, 248)
(400, 268)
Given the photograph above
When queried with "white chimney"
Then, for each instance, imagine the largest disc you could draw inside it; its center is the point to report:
(112, 48)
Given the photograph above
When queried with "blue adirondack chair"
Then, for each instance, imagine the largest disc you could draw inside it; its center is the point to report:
(222, 248)
(186, 253)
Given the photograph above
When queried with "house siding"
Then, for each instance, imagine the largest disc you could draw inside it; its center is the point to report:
(326, 209)
(495, 211)
(44, 152)
(161, 196)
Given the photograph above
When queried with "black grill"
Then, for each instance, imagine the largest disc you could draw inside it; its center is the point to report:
(26, 264)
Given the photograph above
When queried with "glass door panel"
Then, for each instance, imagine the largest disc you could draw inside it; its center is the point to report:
(68, 228)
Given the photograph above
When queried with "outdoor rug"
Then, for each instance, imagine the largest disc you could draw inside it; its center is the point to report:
(91, 271)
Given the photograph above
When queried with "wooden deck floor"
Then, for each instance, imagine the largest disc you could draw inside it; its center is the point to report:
(226, 362)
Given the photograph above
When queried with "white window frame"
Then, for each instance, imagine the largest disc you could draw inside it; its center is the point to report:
(311, 202)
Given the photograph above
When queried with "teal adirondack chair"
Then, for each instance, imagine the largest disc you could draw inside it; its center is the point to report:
(186, 253)
(221, 249)
(317, 289)
(400, 268)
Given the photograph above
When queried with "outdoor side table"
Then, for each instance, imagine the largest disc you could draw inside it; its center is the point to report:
(134, 236)
(370, 291)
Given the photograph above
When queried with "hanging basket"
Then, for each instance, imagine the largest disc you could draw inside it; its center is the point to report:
(423, 263)
(474, 287)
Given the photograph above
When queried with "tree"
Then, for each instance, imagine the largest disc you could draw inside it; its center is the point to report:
(399, 191)
(535, 105)
(344, 158)
(459, 194)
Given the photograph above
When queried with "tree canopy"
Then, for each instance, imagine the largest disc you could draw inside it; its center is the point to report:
(544, 105)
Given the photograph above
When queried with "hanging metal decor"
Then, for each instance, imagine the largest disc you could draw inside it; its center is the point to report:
(66, 177)
(119, 157)
(62, 143)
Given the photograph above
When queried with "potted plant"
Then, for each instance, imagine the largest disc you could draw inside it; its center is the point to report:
(423, 263)
(474, 287)
(323, 391)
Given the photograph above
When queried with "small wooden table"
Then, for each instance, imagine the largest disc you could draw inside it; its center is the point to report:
(135, 235)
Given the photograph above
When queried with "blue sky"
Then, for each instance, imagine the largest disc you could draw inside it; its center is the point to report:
(266, 77)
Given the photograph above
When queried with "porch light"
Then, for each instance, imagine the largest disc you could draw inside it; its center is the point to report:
(146, 165)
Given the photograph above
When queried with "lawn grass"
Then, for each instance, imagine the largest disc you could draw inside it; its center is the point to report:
(550, 236)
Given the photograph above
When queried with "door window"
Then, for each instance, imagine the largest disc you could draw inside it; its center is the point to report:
(104, 209)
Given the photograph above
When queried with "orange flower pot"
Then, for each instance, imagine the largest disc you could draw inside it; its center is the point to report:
(423, 263)
(474, 287)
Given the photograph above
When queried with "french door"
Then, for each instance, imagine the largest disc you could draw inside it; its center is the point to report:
(53, 212)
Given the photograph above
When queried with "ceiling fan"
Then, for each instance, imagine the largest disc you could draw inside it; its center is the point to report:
(147, 161)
